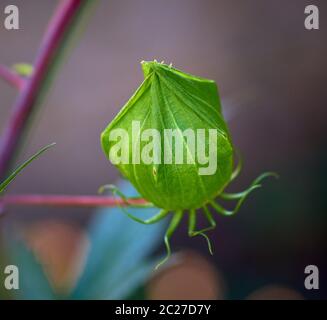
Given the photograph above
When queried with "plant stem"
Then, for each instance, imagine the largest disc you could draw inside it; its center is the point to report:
(11, 77)
(27, 99)
(70, 201)
(30, 91)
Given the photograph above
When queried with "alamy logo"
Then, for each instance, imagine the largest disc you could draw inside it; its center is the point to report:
(11, 281)
(11, 21)
(312, 280)
(311, 21)
(175, 147)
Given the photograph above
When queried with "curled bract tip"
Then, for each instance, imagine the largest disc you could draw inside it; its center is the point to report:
(107, 187)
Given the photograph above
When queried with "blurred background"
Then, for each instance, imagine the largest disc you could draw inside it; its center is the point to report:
(271, 74)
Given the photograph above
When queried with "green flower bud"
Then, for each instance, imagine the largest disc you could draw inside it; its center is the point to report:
(170, 139)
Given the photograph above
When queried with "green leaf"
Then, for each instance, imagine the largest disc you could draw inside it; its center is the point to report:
(119, 260)
(33, 283)
(136, 276)
(5, 183)
(23, 69)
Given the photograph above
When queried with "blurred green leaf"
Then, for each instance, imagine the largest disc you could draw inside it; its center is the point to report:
(117, 265)
(33, 283)
(118, 262)
(4, 293)
(23, 69)
(5, 183)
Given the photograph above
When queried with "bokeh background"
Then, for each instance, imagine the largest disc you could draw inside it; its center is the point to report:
(271, 74)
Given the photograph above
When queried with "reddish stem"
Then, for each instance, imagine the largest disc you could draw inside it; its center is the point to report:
(68, 201)
(25, 102)
(11, 77)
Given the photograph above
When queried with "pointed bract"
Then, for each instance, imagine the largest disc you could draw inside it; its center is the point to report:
(171, 99)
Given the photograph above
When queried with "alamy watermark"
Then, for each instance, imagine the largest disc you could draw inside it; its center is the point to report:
(11, 20)
(11, 277)
(311, 21)
(168, 149)
(311, 281)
